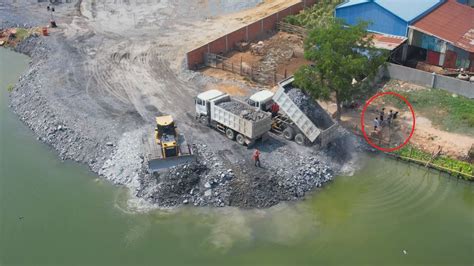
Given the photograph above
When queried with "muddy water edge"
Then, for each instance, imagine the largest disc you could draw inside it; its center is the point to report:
(54, 212)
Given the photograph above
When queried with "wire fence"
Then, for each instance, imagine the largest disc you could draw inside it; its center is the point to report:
(251, 72)
(287, 27)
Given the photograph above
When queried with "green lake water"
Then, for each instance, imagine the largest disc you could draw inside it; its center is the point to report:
(71, 217)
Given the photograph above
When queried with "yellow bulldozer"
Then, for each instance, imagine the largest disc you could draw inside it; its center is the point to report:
(169, 148)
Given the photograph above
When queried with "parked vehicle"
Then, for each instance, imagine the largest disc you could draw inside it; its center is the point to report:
(290, 121)
(237, 120)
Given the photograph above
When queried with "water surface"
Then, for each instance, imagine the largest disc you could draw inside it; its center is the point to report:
(54, 212)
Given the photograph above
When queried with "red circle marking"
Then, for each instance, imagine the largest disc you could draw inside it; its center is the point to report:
(363, 115)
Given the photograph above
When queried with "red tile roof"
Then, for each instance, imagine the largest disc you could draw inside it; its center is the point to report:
(387, 42)
(452, 22)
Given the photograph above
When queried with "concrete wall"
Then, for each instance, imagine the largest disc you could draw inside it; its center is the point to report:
(250, 32)
(430, 80)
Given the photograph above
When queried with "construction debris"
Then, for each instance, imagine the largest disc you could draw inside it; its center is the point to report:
(210, 182)
(243, 110)
(311, 108)
(257, 48)
(242, 46)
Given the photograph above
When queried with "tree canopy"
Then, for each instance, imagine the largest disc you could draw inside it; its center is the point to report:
(340, 53)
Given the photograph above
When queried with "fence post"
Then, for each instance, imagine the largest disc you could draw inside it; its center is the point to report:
(241, 65)
(433, 79)
(285, 73)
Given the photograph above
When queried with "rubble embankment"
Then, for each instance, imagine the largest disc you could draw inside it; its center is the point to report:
(47, 122)
(209, 182)
(54, 101)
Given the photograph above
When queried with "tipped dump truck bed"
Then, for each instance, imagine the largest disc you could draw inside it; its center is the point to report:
(289, 108)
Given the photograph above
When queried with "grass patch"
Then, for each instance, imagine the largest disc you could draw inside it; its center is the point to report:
(443, 161)
(10, 87)
(22, 34)
(454, 114)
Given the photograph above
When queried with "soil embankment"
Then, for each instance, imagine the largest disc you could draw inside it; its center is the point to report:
(96, 83)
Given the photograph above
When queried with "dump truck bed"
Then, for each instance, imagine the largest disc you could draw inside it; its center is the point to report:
(289, 108)
(237, 116)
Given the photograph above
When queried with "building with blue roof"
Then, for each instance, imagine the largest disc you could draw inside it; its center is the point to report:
(390, 17)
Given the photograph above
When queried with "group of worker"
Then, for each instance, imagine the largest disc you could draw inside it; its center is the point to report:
(379, 121)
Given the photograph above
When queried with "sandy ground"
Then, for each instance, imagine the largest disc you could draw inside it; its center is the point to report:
(426, 136)
(96, 83)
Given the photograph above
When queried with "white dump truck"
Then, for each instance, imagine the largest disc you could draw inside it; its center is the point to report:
(289, 120)
(236, 119)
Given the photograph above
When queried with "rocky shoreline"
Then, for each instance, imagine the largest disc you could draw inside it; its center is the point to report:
(207, 182)
(91, 96)
(37, 113)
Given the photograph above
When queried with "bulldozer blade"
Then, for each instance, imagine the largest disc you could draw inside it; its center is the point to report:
(154, 165)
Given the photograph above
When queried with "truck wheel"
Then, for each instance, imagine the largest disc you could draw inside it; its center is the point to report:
(288, 133)
(203, 120)
(300, 139)
(240, 139)
(230, 133)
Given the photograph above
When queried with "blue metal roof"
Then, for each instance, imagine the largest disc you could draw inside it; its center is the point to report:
(407, 10)
(351, 3)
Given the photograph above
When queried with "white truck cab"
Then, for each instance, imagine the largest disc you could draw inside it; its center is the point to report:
(203, 101)
(261, 100)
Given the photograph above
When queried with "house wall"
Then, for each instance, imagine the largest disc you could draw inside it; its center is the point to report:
(430, 80)
(440, 52)
(382, 20)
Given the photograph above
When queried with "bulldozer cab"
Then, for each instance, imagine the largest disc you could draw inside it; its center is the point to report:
(165, 135)
(164, 127)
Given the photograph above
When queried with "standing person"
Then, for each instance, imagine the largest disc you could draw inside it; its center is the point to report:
(382, 113)
(376, 123)
(395, 115)
(390, 117)
(256, 158)
(274, 109)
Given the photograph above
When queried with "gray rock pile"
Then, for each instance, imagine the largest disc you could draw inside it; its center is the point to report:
(311, 108)
(210, 182)
(205, 182)
(243, 110)
(308, 174)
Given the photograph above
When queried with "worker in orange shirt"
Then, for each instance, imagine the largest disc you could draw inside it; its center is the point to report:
(256, 158)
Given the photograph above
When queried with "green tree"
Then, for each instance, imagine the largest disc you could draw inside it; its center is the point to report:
(340, 54)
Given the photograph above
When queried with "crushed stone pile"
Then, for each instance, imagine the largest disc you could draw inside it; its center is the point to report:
(211, 182)
(310, 107)
(243, 110)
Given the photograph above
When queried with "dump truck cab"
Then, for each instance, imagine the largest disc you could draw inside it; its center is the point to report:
(203, 103)
(165, 136)
(261, 100)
